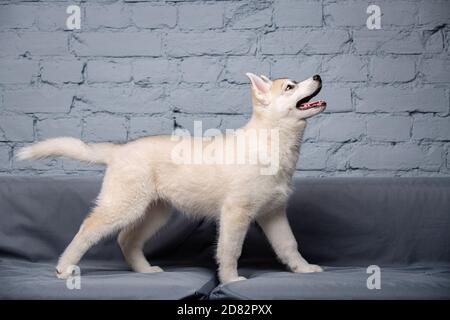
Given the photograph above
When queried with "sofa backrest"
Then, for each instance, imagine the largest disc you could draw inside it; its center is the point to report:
(337, 221)
(373, 220)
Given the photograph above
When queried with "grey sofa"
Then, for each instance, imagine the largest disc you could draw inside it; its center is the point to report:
(344, 224)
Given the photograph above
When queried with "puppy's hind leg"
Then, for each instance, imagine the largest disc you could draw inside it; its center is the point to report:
(119, 204)
(132, 239)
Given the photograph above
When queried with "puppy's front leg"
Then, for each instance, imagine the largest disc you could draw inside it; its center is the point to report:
(234, 223)
(276, 227)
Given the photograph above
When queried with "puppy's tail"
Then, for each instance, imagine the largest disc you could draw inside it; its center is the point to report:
(68, 147)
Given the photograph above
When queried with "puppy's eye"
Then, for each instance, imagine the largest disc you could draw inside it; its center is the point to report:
(289, 87)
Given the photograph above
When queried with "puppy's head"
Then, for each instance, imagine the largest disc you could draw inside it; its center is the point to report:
(286, 98)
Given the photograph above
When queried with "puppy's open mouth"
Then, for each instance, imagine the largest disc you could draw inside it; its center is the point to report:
(305, 103)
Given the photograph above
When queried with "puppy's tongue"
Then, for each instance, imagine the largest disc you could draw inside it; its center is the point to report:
(312, 104)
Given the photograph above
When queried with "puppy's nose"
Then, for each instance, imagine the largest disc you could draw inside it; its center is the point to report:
(316, 77)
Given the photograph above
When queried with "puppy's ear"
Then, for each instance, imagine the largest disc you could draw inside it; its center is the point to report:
(260, 87)
(266, 79)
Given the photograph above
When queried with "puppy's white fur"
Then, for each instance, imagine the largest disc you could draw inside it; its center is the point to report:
(142, 183)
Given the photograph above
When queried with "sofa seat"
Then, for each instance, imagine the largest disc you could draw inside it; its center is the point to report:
(102, 280)
(403, 282)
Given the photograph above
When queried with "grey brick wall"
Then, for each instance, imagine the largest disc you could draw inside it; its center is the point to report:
(143, 67)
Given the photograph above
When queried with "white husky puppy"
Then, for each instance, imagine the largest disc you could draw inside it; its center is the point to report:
(143, 181)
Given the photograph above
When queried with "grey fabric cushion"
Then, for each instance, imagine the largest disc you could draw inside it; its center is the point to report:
(103, 280)
(410, 282)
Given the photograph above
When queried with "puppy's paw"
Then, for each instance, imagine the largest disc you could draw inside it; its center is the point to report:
(149, 269)
(62, 274)
(234, 280)
(307, 268)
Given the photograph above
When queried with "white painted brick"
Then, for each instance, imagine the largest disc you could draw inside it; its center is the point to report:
(313, 156)
(295, 13)
(59, 127)
(341, 128)
(17, 71)
(375, 41)
(200, 16)
(237, 67)
(392, 69)
(312, 128)
(448, 157)
(340, 156)
(124, 100)
(344, 68)
(155, 71)
(108, 71)
(398, 13)
(304, 41)
(219, 100)
(69, 71)
(107, 15)
(197, 125)
(150, 16)
(17, 16)
(403, 156)
(53, 17)
(4, 157)
(346, 13)
(200, 69)
(115, 44)
(389, 128)
(436, 70)
(45, 99)
(338, 99)
(434, 42)
(248, 16)
(16, 128)
(211, 43)
(34, 43)
(147, 126)
(296, 67)
(105, 127)
(433, 13)
(431, 128)
(401, 100)
(434, 158)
